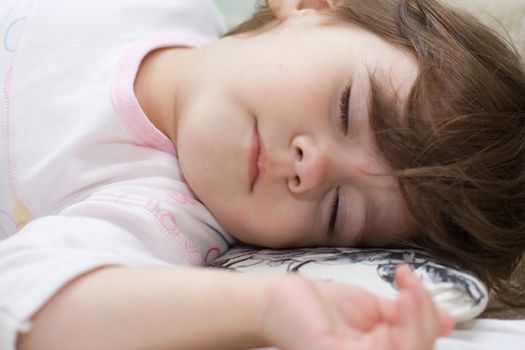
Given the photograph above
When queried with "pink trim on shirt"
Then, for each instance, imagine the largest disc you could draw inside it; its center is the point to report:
(123, 93)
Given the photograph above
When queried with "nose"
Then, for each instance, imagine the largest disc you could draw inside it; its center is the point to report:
(310, 165)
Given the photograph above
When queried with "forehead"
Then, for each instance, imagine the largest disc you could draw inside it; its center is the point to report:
(372, 55)
(363, 50)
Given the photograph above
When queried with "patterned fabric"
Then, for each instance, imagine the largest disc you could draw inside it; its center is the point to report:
(454, 290)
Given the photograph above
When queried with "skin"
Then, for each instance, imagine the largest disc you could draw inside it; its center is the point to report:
(288, 80)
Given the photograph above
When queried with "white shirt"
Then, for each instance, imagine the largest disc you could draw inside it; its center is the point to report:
(85, 179)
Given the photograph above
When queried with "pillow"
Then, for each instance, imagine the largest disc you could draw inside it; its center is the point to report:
(454, 290)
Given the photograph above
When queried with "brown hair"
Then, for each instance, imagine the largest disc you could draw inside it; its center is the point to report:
(458, 144)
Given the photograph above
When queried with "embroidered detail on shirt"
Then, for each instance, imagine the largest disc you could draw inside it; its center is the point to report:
(162, 212)
(219, 234)
(211, 255)
(181, 198)
(10, 35)
(21, 214)
(13, 33)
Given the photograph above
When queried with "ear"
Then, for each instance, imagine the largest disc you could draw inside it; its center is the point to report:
(285, 9)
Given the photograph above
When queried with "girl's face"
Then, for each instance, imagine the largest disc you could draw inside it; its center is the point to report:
(274, 137)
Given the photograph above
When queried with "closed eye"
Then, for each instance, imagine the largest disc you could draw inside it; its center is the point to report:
(333, 213)
(344, 103)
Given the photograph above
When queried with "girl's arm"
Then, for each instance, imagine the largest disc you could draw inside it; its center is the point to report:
(173, 308)
(195, 308)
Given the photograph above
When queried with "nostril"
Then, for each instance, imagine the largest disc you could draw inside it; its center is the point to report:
(297, 180)
(299, 153)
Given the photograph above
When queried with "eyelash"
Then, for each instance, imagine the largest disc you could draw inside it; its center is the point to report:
(334, 210)
(343, 108)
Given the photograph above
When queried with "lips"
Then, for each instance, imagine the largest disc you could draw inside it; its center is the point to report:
(255, 158)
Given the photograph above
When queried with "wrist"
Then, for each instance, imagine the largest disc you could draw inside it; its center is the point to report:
(278, 294)
(250, 298)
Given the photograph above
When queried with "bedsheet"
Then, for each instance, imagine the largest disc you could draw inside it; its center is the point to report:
(485, 334)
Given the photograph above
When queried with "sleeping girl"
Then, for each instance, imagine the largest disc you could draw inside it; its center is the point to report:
(137, 145)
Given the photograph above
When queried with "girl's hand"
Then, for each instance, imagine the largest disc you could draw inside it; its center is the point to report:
(304, 314)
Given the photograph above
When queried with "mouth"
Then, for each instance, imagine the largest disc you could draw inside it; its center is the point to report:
(255, 158)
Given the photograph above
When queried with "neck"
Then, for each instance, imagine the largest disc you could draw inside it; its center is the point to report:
(166, 79)
(159, 83)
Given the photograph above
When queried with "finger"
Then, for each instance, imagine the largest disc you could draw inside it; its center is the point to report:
(362, 309)
(409, 321)
(402, 277)
(446, 323)
(414, 323)
(432, 322)
(425, 307)
(387, 311)
(378, 308)
(406, 279)
(381, 337)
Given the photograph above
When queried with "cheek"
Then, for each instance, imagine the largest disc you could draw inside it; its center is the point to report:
(211, 143)
(272, 225)
(192, 149)
(394, 221)
(279, 88)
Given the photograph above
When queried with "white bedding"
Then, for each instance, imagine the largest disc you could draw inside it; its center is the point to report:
(485, 334)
